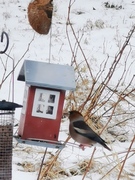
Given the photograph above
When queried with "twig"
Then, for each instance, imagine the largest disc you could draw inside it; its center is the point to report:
(3, 80)
(54, 159)
(76, 38)
(114, 168)
(89, 163)
(124, 161)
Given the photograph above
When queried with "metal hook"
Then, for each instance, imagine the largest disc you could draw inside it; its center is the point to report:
(2, 36)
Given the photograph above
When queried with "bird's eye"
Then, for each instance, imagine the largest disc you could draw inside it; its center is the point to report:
(72, 113)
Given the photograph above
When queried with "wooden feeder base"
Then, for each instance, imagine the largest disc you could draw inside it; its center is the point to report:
(42, 143)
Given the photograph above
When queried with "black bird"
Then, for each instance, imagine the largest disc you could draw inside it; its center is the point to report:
(6, 105)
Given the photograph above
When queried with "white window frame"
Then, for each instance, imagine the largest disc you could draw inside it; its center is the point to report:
(45, 103)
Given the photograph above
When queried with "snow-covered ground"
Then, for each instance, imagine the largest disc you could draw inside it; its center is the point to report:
(101, 27)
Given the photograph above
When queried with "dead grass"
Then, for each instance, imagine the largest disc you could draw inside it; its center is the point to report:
(27, 166)
(55, 172)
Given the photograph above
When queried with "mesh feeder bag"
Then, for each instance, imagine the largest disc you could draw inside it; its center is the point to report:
(6, 137)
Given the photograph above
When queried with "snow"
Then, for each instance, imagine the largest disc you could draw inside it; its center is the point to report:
(101, 32)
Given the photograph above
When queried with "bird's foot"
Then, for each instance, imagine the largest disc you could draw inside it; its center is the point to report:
(82, 146)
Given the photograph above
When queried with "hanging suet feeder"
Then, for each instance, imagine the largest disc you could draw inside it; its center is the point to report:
(40, 15)
(6, 137)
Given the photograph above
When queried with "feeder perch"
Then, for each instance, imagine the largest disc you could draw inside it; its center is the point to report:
(45, 87)
(6, 137)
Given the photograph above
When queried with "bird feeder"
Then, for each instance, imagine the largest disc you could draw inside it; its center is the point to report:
(6, 138)
(45, 87)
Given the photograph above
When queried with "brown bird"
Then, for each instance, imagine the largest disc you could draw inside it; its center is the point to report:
(82, 133)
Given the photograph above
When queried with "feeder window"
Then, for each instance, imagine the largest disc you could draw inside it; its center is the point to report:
(45, 103)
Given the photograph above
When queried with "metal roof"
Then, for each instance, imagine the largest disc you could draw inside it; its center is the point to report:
(48, 75)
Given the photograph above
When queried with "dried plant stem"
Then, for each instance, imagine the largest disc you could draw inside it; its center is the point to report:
(119, 100)
(124, 161)
(88, 167)
(45, 172)
(114, 168)
(76, 38)
(111, 71)
(8, 56)
(112, 154)
(50, 165)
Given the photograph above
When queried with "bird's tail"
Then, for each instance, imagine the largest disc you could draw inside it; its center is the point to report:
(103, 143)
(105, 146)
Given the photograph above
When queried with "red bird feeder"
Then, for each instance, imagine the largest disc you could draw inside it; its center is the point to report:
(43, 101)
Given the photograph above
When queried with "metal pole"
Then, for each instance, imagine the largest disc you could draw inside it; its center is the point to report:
(42, 164)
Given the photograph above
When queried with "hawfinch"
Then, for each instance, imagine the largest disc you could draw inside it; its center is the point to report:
(82, 133)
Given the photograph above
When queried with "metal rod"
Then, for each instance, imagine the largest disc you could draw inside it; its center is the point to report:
(42, 164)
(13, 84)
(50, 44)
(2, 37)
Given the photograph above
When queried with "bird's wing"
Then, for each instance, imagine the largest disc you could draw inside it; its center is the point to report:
(83, 129)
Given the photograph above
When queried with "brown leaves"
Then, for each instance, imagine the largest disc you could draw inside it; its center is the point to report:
(40, 15)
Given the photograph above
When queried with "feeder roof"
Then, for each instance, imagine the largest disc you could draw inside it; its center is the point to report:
(6, 105)
(48, 75)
